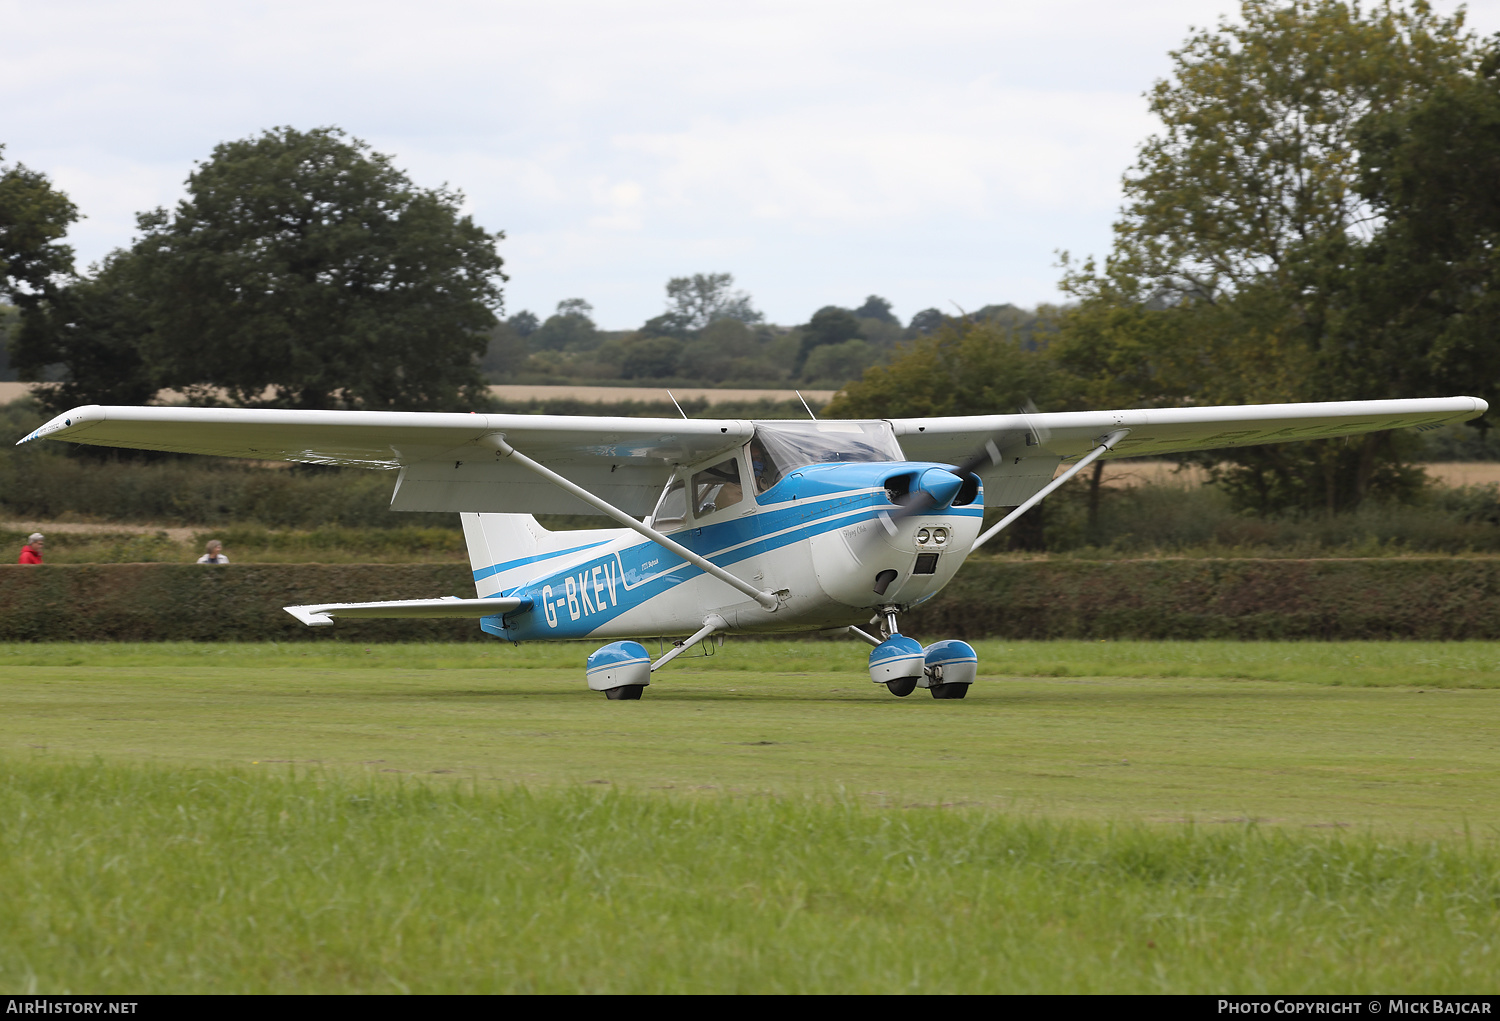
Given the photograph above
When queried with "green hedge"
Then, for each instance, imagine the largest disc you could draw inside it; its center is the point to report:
(1417, 598)
(1427, 598)
(240, 602)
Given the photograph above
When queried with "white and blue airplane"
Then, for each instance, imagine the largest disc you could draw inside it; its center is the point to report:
(727, 527)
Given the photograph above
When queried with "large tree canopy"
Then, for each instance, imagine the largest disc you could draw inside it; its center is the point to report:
(34, 216)
(306, 271)
(1247, 218)
(1256, 158)
(1421, 302)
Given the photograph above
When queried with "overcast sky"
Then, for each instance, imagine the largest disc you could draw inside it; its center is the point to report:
(936, 153)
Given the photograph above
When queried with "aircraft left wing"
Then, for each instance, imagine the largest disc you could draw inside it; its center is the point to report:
(1156, 431)
(443, 461)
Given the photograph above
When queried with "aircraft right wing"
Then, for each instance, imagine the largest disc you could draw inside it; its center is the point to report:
(443, 457)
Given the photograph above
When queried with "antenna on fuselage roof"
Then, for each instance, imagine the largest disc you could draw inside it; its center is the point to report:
(804, 404)
(679, 406)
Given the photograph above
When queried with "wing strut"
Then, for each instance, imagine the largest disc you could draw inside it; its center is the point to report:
(1105, 444)
(761, 596)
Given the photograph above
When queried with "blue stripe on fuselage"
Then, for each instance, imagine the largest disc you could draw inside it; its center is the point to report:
(590, 594)
(488, 572)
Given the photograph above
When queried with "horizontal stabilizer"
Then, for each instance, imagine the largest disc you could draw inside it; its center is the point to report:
(322, 614)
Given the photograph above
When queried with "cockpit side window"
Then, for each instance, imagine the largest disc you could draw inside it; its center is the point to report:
(716, 488)
(671, 509)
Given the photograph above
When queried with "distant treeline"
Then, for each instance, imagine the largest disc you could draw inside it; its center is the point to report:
(712, 335)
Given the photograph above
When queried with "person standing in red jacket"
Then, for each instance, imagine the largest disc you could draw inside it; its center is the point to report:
(31, 553)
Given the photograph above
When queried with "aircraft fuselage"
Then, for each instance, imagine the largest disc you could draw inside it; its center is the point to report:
(837, 523)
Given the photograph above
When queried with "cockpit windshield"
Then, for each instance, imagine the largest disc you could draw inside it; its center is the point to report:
(782, 447)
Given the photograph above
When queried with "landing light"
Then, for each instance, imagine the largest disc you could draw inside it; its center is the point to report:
(939, 536)
(923, 536)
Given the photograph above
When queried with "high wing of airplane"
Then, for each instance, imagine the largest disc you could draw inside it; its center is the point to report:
(727, 526)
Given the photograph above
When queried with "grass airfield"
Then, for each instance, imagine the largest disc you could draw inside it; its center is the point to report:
(1095, 817)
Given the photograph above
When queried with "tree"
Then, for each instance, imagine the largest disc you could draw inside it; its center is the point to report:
(523, 323)
(505, 353)
(1257, 157)
(34, 263)
(829, 325)
(1242, 213)
(10, 322)
(303, 264)
(839, 363)
(877, 308)
(650, 357)
(94, 327)
(34, 217)
(720, 351)
(925, 322)
(965, 368)
(1110, 356)
(694, 302)
(1422, 299)
(569, 329)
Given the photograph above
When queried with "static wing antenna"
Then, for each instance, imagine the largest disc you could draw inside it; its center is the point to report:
(766, 599)
(676, 405)
(1105, 444)
(804, 405)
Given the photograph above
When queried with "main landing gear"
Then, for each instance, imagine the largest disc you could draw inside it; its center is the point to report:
(623, 669)
(945, 668)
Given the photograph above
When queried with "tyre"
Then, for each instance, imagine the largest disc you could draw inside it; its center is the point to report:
(949, 690)
(626, 691)
(902, 686)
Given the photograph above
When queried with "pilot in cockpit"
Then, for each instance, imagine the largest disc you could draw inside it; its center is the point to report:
(760, 467)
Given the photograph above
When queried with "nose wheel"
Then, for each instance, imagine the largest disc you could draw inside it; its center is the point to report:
(946, 668)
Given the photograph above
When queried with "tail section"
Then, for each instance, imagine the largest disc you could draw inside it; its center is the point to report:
(506, 550)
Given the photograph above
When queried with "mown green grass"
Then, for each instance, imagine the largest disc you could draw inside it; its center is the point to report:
(125, 878)
(1178, 817)
(1158, 733)
(1363, 664)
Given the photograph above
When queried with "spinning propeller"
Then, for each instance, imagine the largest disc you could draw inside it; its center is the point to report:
(934, 489)
(937, 487)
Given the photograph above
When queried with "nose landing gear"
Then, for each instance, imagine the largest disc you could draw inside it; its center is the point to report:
(945, 668)
(897, 663)
(948, 668)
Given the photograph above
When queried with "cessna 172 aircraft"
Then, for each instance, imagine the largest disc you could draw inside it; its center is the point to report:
(729, 527)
